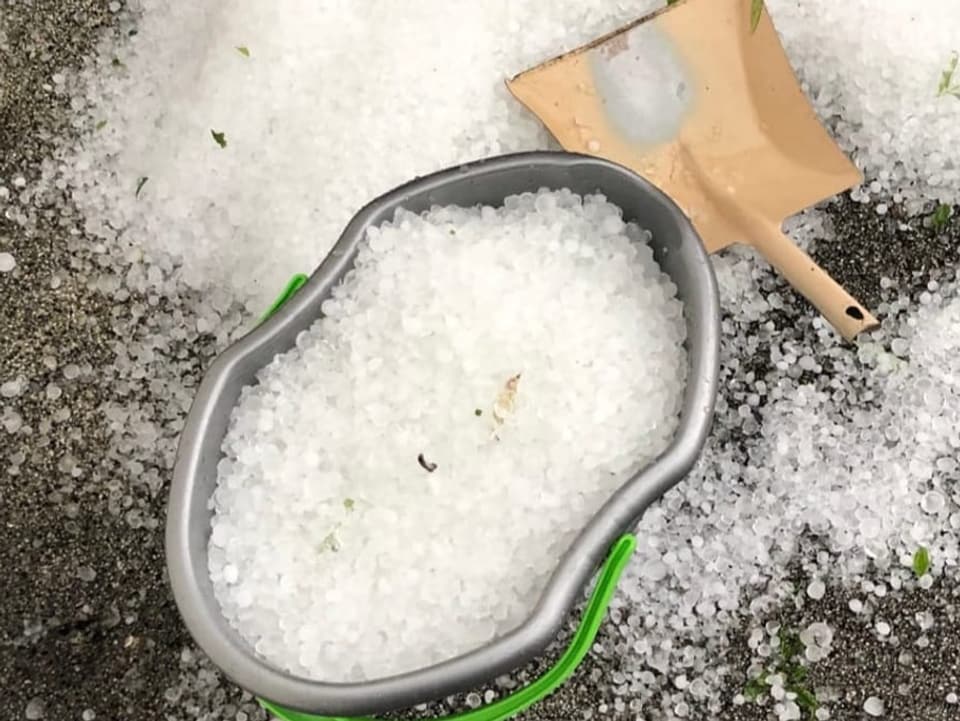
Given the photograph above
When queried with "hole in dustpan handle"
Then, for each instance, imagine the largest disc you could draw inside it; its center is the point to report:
(581, 643)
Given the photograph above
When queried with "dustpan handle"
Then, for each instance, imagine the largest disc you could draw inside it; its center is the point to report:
(581, 643)
(523, 699)
(842, 310)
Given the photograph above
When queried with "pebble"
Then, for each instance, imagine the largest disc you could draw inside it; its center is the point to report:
(35, 709)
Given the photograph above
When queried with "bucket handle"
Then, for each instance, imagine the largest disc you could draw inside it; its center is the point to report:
(293, 285)
(580, 644)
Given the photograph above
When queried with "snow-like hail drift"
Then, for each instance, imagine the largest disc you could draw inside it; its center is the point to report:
(206, 175)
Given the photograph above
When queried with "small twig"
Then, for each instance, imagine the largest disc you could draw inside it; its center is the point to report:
(425, 464)
(506, 400)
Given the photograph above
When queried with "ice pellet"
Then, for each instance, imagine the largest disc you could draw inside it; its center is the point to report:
(816, 589)
(873, 706)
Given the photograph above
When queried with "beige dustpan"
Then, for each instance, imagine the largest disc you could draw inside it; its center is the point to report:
(707, 108)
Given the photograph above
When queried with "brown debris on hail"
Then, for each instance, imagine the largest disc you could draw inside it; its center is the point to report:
(505, 403)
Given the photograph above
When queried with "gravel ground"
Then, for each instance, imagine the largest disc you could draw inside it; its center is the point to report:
(88, 628)
(912, 669)
(87, 621)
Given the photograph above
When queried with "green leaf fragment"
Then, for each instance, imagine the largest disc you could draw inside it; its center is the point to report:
(117, 63)
(756, 11)
(671, 2)
(140, 183)
(349, 503)
(941, 216)
(330, 542)
(219, 137)
(806, 699)
(477, 412)
(243, 50)
(100, 125)
(796, 674)
(790, 645)
(921, 561)
(756, 687)
(946, 86)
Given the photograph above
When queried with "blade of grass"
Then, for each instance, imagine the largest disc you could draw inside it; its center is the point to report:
(921, 561)
(756, 11)
(946, 85)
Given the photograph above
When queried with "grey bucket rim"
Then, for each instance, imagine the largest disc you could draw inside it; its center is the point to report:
(620, 512)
